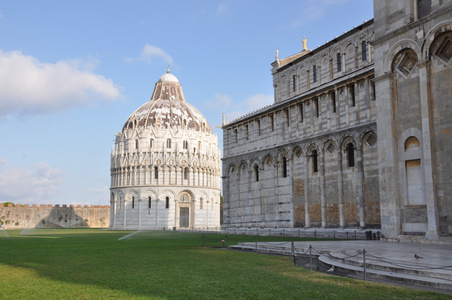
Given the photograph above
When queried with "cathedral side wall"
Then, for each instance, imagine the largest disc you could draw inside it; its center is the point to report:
(289, 161)
(48, 216)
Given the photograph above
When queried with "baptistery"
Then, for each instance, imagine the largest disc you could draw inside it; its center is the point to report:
(165, 166)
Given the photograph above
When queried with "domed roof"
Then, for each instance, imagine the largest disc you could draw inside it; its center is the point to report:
(167, 108)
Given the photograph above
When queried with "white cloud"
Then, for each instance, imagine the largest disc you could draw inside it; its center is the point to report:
(32, 185)
(222, 8)
(314, 9)
(258, 101)
(151, 53)
(250, 104)
(219, 101)
(30, 86)
(101, 196)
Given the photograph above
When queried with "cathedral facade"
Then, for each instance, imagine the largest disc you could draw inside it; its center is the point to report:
(165, 166)
(358, 134)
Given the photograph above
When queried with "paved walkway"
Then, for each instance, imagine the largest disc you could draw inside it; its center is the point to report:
(427, 266)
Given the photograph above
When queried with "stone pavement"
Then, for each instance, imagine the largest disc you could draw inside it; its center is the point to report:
(425, 266)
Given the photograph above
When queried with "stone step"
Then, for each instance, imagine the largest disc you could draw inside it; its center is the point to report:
(350, 263)
(390, 265)
(386, 276)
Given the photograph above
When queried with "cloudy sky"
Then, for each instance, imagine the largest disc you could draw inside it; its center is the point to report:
(71, 72)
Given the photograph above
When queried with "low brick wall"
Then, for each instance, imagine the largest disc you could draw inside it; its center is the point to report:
(54, 216)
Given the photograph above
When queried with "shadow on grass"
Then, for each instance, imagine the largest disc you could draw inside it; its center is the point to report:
(89, 263)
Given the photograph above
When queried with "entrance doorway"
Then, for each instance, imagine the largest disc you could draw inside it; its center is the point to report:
(184, 217)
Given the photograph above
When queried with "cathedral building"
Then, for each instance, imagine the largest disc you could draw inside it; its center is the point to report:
(165, 166)
(358, 134)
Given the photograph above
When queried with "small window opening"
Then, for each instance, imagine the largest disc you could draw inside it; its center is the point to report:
(351, 90)
(284, 167)
(185, 144)
(258, 122)
(149, 203)
(317, 108)
(168, 143)
(151, 143)
(300, 107)
(339, 62)
(272, 124)
(315, 167)
(333, 101)
(136, 144)
(294, 83)
(156, 172)
(256, 172)
(133, 202)
(186, 173)
(235, 135)
(247, 132)
(364, 50)
(167, 202)
(314, 73)
(351, 155)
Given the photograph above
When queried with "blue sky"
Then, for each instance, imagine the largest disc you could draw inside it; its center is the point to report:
(71, 72)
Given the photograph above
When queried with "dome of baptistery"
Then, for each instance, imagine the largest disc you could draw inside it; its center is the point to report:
(167, 108)
(165, 165)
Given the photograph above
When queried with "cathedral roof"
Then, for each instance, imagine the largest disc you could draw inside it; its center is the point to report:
(167, 108)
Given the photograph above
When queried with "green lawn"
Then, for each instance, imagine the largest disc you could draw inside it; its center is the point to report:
(94, 264)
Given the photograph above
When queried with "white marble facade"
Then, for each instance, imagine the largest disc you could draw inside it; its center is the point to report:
(165, 166)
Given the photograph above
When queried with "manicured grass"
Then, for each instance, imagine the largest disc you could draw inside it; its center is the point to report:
(94, 264)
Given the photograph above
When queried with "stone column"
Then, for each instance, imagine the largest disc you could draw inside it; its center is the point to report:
(139, 214)
(428, 158)
(322, 188)
(125, 210)
(306, 194)
(112, 213)
(340, 184)
(157, 213)
(386, 97)
(360, 182)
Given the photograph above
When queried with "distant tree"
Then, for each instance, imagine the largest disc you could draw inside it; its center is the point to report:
(7, 203)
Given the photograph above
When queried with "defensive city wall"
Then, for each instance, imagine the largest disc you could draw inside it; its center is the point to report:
(56, 216)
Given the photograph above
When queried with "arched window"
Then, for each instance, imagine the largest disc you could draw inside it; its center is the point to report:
(256, 172)
(185, 198)
(133, 202)
(168, 143)
(156, 172)
(339, 62)
(284, 167)
(149, 202)
(167, 202)
(314, 73)
(185, 144)
(151, 143)
(350, 155)
(136, 144)
(315, 167)
(185, 173)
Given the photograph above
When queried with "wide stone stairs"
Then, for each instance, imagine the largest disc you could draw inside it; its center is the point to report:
(422, 266)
